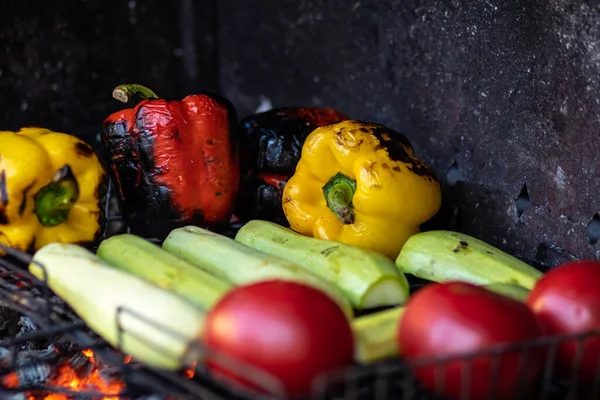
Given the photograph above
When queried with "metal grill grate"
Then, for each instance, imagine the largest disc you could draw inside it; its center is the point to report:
(390, 379)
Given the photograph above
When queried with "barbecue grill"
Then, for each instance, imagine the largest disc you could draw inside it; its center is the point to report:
(500, 98)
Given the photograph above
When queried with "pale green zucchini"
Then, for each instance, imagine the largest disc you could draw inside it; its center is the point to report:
(511, 290)
(376, 335)
(239, 264)
(142, 258)
(159, 328)
(366, 278)
(442, 256)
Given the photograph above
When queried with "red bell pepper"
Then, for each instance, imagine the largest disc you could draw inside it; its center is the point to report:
(173, 163)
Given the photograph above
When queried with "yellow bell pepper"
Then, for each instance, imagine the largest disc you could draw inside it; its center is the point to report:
(52, 189)
(360, 183)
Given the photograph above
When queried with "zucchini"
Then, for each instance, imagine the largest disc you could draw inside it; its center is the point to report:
(442, 256)
(142, 258)
(376, 335)
(368, 279)
(239, 264)
(164, 337)
(511, 290)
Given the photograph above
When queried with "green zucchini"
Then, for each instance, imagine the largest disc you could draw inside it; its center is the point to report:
(142, 258)
(366, 278)
(511, 290)
(442, 256)
(159, 328)
(376, 335)
(239, 264)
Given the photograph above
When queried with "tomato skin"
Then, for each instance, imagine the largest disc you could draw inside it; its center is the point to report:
(291, 331)
(456, 317)
(567, 301)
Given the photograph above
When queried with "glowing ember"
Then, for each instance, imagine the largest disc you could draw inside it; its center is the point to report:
(66, 377)
(189, 372)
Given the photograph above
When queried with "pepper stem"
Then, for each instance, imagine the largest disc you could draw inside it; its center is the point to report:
(54, 201)
(123, 93)
(338, 192)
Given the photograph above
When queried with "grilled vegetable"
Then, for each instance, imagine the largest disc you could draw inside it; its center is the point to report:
(567, 302)
(290, 331)
(457, 318)
(262, 197)
(361, 184)
(511, 290)
(158, 328)
(366, 278)
(174, 163)
(52, 189)
(139, 257)
(444, 255)
(271, 146)
(375, 335)
(239, 264)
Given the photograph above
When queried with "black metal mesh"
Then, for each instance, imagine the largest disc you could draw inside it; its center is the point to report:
(389, 379)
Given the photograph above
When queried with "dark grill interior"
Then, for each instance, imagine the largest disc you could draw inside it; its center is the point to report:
(58, 335)
(500, 98)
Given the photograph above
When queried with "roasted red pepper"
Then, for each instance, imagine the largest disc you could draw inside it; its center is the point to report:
(271, 144)
(173, 163)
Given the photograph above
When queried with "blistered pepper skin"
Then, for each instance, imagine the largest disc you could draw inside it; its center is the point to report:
(271, 145)
(360, 183)
(174, 163)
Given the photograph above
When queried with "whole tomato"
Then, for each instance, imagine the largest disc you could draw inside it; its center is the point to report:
(567, 301)
(455, 318)
(287, 330)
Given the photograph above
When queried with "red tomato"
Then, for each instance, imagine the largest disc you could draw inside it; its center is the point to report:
(455, 317)
(291, 331)
(567, 301)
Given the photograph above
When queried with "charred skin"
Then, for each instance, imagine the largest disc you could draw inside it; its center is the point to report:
(174, 163)
(272, 141)
(271, 145)
(263, 198)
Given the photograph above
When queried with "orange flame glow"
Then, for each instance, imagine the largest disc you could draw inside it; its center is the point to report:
(66, 377)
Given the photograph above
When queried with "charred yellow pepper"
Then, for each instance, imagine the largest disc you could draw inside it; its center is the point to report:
(360, 183)
(52, 188)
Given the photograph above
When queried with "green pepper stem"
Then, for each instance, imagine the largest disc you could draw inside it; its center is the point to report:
(54, 201)
(123, 93)
(338, 192)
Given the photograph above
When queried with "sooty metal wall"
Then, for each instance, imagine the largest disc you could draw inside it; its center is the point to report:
(500, 96)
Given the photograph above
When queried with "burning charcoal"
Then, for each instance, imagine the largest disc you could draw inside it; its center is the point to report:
(4, 395)
(27, 325)
(84, 372)
(44, 356)
(66, 347)
(48, 356)
(9, 322)
(109, 374)
(78, 360)
(82, 365)
(33, 374)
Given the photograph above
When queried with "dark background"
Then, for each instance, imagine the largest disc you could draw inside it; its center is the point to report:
(500, 97)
